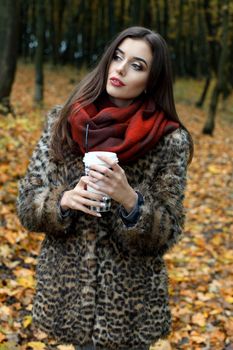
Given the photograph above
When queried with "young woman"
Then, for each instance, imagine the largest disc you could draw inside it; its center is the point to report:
(101, 277)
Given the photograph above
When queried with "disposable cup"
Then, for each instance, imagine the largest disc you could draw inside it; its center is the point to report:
(91, 158)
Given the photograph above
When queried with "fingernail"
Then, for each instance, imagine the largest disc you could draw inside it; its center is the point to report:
(99, 215)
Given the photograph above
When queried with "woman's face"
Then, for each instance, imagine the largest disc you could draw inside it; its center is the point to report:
(129, 71)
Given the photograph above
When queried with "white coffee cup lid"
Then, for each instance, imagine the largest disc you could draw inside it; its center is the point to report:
(92, 157)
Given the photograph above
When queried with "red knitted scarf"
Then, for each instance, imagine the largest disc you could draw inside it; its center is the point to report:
(128, 131)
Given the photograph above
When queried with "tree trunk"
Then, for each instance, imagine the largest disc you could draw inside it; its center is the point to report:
(211, 34)
(191, 42)
(56, 11)
(145, 14)
(52, 33)
(165, 19)
(32, 27)
(208, 64)
(61, 10)
(88, 19)
(202, 45)
(134, 11)
(157, 24)
(202, 98)
(122, 15)
(180, 41)
(23, 30)
(9, 19)
(111, 18)
(40, 29)
(210, 121)
(222, 73)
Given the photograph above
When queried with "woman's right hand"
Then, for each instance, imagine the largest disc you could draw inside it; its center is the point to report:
(80, 199)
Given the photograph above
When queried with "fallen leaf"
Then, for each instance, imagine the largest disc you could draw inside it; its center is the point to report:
(2, 337)
(27, 321)
(199, 319)
(36, 345)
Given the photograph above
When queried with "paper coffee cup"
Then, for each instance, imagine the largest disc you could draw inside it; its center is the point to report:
(90, 159)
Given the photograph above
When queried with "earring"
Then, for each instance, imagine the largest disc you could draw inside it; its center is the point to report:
(145, 91)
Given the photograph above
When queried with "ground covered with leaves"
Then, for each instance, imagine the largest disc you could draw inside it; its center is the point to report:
(200, 266)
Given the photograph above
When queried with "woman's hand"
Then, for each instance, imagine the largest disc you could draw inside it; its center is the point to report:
(113, 182)
(80, 199)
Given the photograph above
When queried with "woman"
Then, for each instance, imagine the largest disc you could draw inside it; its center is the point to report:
(101, 278)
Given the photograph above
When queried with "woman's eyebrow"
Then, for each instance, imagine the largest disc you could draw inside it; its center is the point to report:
(136, 58)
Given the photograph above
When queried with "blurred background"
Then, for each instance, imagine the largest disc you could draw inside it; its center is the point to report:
(75, 32)
(46, 47)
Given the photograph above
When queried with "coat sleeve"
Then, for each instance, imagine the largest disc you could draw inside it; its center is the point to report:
(40, 192)
(162, 214)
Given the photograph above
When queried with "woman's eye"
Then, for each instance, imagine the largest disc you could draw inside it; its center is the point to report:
(116, 57)
(136, 66)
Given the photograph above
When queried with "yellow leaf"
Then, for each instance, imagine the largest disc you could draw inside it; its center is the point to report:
(229, 299)
(36, 345)
(21, 272)
(27, 321)
(199, 338)
(5, 311)
(206, 296)
(30, 260)
(2, 337)
(26, 282)
(216, 310)
(9, 345)
(161, 345)
(40, 335)
(228, 255)
(217, 240)
(199, 319)
(213, 169)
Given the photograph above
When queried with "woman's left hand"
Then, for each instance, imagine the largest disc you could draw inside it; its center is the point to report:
(113, 182)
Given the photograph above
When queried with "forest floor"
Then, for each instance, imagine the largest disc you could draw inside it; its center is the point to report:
(200, 266)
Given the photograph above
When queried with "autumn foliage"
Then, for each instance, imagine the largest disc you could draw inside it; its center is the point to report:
(200, 266)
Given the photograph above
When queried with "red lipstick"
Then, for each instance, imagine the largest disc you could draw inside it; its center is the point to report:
(116, 82)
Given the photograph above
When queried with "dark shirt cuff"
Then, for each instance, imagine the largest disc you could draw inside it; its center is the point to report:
(130, 219)
(63, 213)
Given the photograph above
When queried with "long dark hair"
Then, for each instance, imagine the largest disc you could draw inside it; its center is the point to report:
(159, 87)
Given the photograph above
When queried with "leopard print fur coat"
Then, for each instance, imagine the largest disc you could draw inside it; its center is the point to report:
(98, 280)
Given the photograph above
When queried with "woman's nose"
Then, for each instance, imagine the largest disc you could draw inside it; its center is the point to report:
(121, 68)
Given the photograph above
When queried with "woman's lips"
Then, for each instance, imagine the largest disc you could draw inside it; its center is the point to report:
(116, 82)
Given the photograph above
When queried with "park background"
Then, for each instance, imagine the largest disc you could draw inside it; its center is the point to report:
(46, 47)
